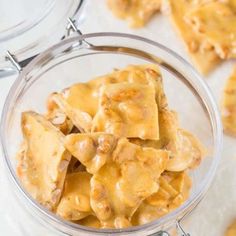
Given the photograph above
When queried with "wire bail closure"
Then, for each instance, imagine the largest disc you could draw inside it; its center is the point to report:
(13, 61)
(70, 29)
(179, 229)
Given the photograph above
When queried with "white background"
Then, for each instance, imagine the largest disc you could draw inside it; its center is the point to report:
(218, 208)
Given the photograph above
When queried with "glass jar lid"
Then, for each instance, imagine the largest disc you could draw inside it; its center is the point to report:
(21, 16)
(29, 27)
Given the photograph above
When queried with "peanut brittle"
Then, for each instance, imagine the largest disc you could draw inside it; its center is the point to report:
(91, 149)
(57, 117)
(186, 151)
(231, 230)
(43, 164)
(127, 110)
(216, 20)
(199, 48)
(81, 119)
(120, 186)
(167, 119)
(229, 105)
(173, 191)
(60, 120)
(75, 199)
(136, 12)
(70, 103)
(147, 213)
(141, 74)
(120, 161)
(90, 221)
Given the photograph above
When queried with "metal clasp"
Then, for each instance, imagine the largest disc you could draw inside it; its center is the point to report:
(70, 28)
(180, 229)
(14, 61)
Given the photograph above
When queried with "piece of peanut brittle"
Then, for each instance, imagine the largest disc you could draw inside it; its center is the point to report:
(229, 105)
(231, 230)
(120, 186)
(127, 110)
(147, 213)
(57, 117)
(173, 191)
(142, 74)
(81, 119)
(91, 149)
(75, 200)
(216, 20)
(136, 12)
(43, 164)
(168, 128)
(90, 221)
(199, 48)
(73, 103)
(186, 151)
(71, 100)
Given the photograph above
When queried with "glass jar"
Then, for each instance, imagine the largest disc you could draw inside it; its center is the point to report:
(29, 27)
(80, 58)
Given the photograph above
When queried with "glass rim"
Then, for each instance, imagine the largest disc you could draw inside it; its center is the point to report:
(215, 122)
(42, 42)
(21, 28)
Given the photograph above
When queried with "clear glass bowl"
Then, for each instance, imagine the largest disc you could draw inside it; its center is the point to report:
(81, 58)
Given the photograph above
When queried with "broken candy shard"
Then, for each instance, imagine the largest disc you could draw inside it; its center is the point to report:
(43, 164)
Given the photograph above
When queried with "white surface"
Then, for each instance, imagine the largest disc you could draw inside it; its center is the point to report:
(217, 210)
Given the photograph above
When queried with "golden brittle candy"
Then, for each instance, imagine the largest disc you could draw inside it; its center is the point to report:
(75, 199)
(136, 12)
(81, 119)
(147, 213)
(120, 186)
(43, 164)
(110, 182)
(60, 120)
(216, 20)
(141, 74)
(173, 191)
(90, 221)
(186, 152)
(71, 101)
(201, 51)
(91, 149)
(229, 105)
(168, 120)
(57, 117)
(231, 231)
(128, 110)
(146, 75)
